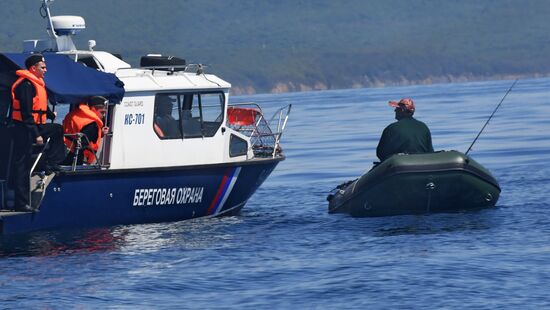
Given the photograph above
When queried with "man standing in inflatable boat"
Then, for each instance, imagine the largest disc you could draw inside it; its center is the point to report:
(407, 135)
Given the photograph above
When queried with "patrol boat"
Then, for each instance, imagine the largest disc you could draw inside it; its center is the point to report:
(209, 165)
(444, 181)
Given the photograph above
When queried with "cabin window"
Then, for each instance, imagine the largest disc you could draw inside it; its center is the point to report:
(196, 114)
(191, 115)
(212, 112)
(237, 146)
(86, 60)
(166, 122)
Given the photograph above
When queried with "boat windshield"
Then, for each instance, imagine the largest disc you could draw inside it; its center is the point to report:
(188, 115)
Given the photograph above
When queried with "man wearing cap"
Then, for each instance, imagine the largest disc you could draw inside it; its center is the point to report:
(88, 120)
(29, 113)
(407, 135)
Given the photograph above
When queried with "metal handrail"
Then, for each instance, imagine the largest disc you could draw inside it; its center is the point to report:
(34, 165)
(39, 157)
(263, 128)
(188, 68)
(79, 136)
(280, 127)
(245, 104)
(108, 134)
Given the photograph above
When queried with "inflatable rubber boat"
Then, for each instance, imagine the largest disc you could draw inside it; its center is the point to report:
(444, 181)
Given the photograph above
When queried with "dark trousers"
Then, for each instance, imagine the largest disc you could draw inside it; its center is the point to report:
(21, 164)
(55, 153)
(23, 140)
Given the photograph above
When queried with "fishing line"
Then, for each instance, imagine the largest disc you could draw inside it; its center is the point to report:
(487, 122)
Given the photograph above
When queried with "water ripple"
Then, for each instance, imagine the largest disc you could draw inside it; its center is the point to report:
(284, 250)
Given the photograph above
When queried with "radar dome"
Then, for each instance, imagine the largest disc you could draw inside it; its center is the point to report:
(67, 25)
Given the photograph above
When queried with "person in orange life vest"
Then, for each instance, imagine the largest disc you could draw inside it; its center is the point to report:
(29, 112)
(86, 119)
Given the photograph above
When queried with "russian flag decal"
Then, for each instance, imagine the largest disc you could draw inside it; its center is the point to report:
(226, 185)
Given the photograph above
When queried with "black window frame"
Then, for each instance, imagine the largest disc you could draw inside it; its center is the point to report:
(235, 140)
(181, 96)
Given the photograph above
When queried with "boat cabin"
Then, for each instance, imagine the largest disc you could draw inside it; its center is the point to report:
(164, 115)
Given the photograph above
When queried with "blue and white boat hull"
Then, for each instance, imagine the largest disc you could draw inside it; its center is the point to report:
(172, 147)
(114, 197)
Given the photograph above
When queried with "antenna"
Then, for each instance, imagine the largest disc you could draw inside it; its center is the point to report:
(62, 28)
(46, 14)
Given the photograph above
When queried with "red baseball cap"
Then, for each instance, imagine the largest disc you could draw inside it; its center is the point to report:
(406, 103)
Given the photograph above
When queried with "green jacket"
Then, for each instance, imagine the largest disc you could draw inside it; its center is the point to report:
(407, 135)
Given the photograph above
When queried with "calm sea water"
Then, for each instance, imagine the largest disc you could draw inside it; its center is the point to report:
(284, 250)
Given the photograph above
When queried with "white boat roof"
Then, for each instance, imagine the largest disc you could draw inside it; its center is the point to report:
(140, 79)
(107, 61)
(156, 80)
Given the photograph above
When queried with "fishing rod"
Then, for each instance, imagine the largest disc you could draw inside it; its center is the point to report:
(487, 122)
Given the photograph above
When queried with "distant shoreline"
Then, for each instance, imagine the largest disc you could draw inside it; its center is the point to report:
(289, 86)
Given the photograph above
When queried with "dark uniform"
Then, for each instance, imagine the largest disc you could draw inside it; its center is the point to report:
(25, 92)
(25, 132)
(407, 135)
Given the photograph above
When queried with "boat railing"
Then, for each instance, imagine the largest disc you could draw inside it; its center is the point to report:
(188, 68)
(171, 69)
(40, 154)
(77, 139)
(280, 117)
(40, 181)
(265, 134)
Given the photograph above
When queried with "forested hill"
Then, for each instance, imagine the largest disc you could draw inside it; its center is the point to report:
(262, 46)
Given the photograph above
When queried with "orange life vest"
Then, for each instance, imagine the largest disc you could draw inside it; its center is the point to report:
(75, 121)
(157, 129)
(39, 102)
